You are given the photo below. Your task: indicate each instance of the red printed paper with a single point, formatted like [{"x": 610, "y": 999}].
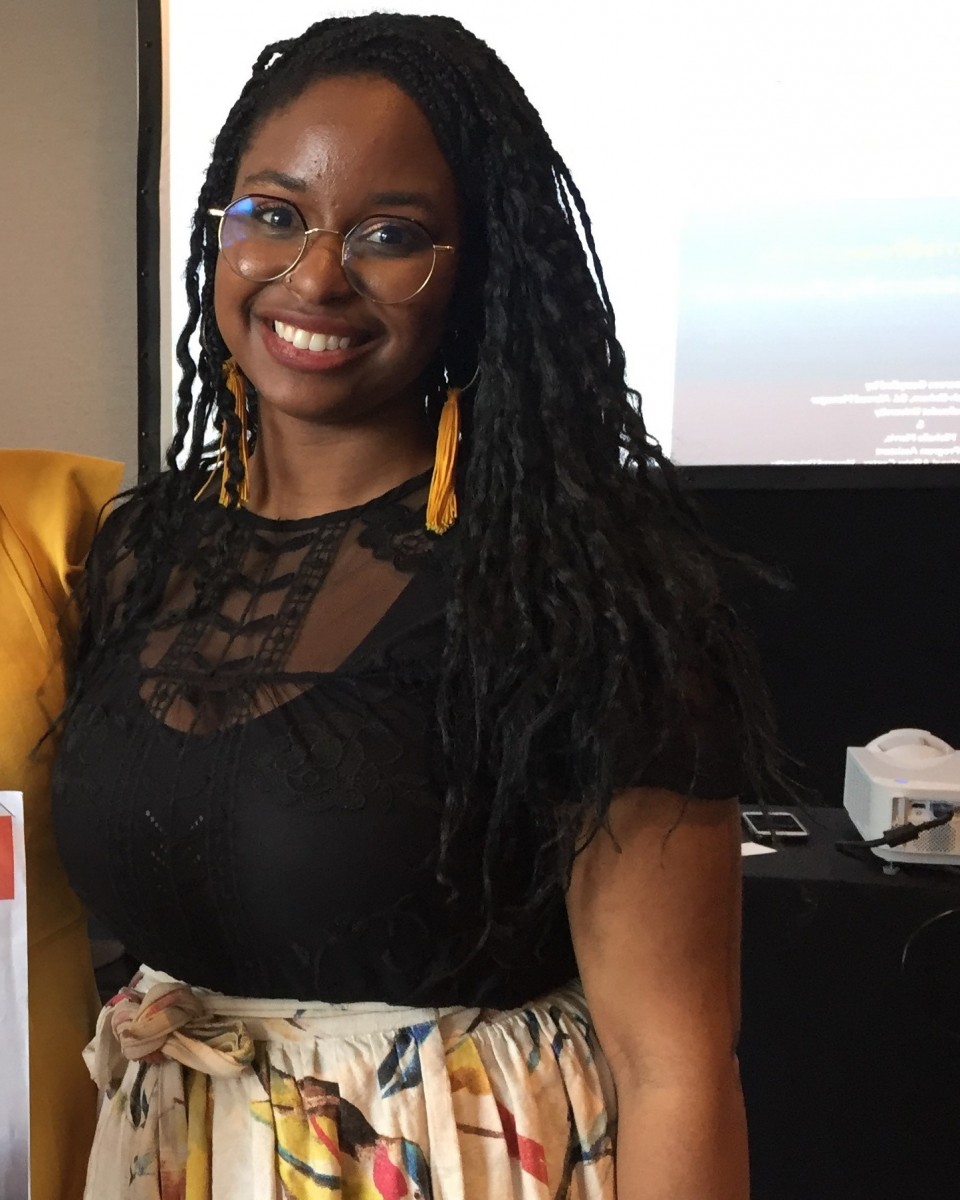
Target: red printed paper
[
  {"x": 14, "y": 1004},
  {"x": 6, "y": 858}
]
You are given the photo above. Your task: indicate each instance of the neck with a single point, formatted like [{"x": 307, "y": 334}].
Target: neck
[{"x": 303, "y": 469}]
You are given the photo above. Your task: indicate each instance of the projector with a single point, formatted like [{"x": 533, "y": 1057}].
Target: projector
[{"x": 906, "y": 777}]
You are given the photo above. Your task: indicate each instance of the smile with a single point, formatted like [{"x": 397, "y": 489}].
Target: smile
[{"x": 303, "y": 339}]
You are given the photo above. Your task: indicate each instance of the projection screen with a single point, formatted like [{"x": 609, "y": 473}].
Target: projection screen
[{"x": 775, "y": 194}]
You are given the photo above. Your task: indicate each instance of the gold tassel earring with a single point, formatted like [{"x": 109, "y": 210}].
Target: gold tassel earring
[
  {"x": 442, "y": 499},
  {"x": 236, "y": 386}
]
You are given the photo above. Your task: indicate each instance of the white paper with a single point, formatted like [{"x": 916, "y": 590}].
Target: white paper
[
  {"x": 747, "y": 848},
  {"x": 14, "y": 1021}
]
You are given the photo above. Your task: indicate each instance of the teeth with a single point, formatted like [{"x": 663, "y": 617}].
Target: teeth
[{"x": 303, "y": 339}]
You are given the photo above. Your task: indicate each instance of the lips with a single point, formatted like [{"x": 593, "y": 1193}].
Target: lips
[
  {"x": 314, "y": 323},
  {"x": 312, "y": 343},
  {"x": 303, "y": 339}
]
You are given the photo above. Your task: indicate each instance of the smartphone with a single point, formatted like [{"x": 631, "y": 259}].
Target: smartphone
[{"x": 786, "y": 826}]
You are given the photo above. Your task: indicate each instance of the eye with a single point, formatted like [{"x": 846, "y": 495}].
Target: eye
[
  {"x": 389, "y": 235},
  {"x": 267, "y": 216},
  {"x": 389, "y": 238},
  {"x": 275, "y": 216}
]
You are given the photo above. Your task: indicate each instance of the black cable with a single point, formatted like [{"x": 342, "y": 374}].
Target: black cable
[
  {"x": 898, "y": 835},
  {"x": 935, "y": 1006}
]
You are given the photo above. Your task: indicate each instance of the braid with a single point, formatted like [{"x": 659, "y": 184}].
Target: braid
[{"x": 584, "y": 587}]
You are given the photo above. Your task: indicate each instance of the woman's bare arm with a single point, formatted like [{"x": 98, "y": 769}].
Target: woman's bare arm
[{"x": 656, "y": 928}]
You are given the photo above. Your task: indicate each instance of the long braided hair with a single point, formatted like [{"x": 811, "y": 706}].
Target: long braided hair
[{"x": 586, "y": 606}]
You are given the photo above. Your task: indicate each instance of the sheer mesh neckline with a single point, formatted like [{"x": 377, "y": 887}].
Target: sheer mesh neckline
[
  {"x": 284, "y": 524},
  {"x": 293, "y": 601}
]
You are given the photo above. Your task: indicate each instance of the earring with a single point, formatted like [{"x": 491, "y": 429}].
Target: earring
[
  {"x": 442, "y": 497},
  {"x": 236, "y": 386}
]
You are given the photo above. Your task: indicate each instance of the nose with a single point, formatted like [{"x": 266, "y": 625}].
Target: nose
[{"x": 318, "y": 277}]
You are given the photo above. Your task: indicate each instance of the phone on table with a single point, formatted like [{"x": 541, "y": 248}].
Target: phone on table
[{"x": 762, "y": 825}]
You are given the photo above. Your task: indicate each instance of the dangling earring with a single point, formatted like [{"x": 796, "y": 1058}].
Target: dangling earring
[
  {"x": 236, "y": 386},
  {"x": 442, "y": 498}
]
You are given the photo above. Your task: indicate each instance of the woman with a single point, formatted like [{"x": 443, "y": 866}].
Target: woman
[
  {"x": 325, "y": 770},
  {"x": 49, "y": 506}
]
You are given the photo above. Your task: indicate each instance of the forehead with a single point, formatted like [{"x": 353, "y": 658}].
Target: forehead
[{"x": 353, "y": 132}]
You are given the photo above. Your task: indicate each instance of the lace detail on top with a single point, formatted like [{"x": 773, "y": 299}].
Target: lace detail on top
[{"x": 299, "y": 600}]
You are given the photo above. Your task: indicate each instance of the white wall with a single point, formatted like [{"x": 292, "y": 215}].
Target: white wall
[{"x": 68, "y": 158}]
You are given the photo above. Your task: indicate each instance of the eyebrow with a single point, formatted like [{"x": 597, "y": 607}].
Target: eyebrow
[
  {"x": 404, "y": 200},
  {"x": 396, "y": 199},
  {"x": 290, "y": 182}
]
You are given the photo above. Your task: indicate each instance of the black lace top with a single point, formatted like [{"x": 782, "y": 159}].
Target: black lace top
[{"x": 252, "y": 803}]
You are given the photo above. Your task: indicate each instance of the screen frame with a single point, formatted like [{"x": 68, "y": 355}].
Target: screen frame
[
  {"x": 151, "y": 120},
  {"x": 153, "y": 429},
  {"x": 821, "y": 477}
]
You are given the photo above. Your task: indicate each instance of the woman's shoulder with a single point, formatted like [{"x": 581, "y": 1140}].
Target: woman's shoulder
[{"x": 51, "y": 503}]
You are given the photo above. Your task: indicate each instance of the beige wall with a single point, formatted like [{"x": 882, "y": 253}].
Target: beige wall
[{"x": 68, "y": 159}]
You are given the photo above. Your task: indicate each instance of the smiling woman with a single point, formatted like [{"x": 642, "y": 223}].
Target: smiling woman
[
  {"x": 341, "y": 152},
  {"x": 429, "y": 841}
]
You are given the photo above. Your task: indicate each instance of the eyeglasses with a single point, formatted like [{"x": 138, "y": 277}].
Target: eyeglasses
[{"x": 386, "y": 259}]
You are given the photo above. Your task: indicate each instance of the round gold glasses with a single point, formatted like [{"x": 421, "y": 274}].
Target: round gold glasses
[{"x": 386, "y": 259}]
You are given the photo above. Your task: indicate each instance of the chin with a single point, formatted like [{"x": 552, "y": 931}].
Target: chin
[{"x": 327, "y": 402}]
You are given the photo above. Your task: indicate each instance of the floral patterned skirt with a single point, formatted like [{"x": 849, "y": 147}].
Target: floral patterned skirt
[{"x": 210, "y": 1097}]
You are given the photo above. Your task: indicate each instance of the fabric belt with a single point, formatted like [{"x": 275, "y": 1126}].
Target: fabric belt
[{"x": 159, "y": 1019}]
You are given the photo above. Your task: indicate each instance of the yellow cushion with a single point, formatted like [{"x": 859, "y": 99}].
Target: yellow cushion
[{"x": 49, "y": 506}]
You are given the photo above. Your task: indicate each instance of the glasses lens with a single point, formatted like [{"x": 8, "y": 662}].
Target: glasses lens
[
  {"x": 388, "y": 259},
  {"x": 261, "y": 237}
]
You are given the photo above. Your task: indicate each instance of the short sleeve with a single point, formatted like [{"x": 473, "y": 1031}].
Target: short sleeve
[{"x": 700, "y": 751}]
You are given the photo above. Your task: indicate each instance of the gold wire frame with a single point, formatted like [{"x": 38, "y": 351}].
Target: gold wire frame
[{"x": 221, "y": 213}]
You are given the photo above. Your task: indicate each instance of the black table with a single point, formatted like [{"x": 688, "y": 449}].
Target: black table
[{"x": 851, "y": 1074}]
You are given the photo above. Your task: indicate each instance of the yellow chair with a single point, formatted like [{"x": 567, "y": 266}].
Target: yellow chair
[{"x": 49, "y": 506}]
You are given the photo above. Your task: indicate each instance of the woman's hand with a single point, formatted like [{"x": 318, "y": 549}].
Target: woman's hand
[{"x": 656, "y": 928}]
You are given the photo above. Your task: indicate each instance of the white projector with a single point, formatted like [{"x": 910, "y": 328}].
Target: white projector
[{"x": 906, "y": 777}]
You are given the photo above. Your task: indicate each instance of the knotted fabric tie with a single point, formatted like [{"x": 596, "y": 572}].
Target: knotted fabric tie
[{"x": 169, "y": 1022}]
